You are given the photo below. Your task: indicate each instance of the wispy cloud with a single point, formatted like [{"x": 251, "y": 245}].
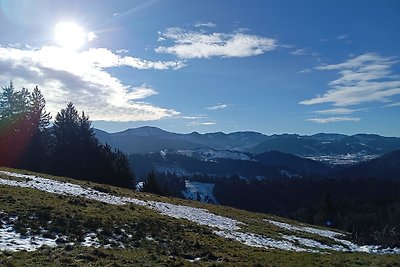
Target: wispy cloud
[
  {"x": 82, "y": 77},
  {"x": 342, "y": 37},
  {"x": 199, "y": 123},
  {"x": 339, "y": 111},
  {"x": 196, "y": 117},
  {"x": 298, "y": 52},
  {"x": 91, "y": 36},
  {"x": 205, "y": 24},
  {"x": 105, "y": 58},
  {"x": 333, "y": 119},
  {"x": 366, "y": 78},
  {"x": 218, "y": 106},
  {"x": 305, "y": 71},
  {"x": 397, "y": 104},
  {"x": 192, "y": 44}
]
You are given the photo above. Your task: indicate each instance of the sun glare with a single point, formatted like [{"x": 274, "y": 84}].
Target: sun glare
[{"x": 69, "y": 35}]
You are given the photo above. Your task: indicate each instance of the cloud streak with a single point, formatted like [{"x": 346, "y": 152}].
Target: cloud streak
[
  {"x": 198, "y": 123},
  {"x": 198, "y": 44},
  {"x": 397, "y": 104},
  {"x": 218, "y": 107},
  {"x": 298, "y": 52},
  {"x": 338, "y": 111},
  {"x": 205, "y": 24},
  {"x": 366, "y": 78},
  {"x": 333, "y": 119},
  {"x": 81, "y": 77}
]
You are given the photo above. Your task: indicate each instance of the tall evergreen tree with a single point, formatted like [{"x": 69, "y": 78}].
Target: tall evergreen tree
[
  {"x": 151, "y": 185},
  {"x": 37, "y": 155},
  {"x": 66, "y": 142},
  {"x": 38, "y": 110},
  {"x": 7, "y": 102},
  {"x": 15, "y": 130},
  {"x": 78, "y": 153}
]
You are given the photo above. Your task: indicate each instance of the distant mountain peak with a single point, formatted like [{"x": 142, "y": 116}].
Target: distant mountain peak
[{"x": 146, "y": 131}]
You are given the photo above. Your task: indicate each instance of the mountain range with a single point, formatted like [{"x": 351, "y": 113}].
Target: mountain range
[{"x": 334, "y": 148}]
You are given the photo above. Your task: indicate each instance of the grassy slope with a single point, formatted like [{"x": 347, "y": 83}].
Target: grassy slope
[{"x": 156, "y": 239}]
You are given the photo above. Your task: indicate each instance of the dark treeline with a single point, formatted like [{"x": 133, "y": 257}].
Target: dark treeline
[
  {"x": 68, "y": 147},
  {"x": 366, "y": 208}
]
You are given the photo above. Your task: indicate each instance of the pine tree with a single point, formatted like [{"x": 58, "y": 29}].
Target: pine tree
[
  {"x": 37, "y": 155},
  {"x": 15, "y": 129},
  {"x": 7, "y": 102},
  {"x": 151, "y": 185},
  {"x": 65, "y": 160},
  {"x": 38, "y": 111},
  {"x": 78, "y": 153}
]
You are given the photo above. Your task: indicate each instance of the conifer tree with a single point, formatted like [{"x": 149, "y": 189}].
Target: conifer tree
[
  {"x": 15, "y": 130},
  {"x": 151, "y": 185},
  {"x": 38, "y": 111},
  {"x": 37, "y": 155}
]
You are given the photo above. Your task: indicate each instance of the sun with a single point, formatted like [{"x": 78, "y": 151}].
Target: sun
[{"x": 69, "y": 35}]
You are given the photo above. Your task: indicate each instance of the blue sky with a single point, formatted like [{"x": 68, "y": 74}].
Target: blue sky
[{"x": 269, "y": 66}]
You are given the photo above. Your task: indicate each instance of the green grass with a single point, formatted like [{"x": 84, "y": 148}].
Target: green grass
[{"x": 154, "y": 239}]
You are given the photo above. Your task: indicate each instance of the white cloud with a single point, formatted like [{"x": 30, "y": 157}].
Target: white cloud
[
  {"x": 81, "y": 77},
  {"x": 397, "y": 104},
  {"x": 192, "y": 44},
  {"x": 197, "y": 117},
  {"x": 333, "y": 119},
  {"x": 298, "y": 52},
  {"x": 339, "y": 111},
  {"x": 122, "y": 51},
  {"x": 91, "y": 36},
  {"x": 218, "y": 107},
  {"x": 305, "y": 71},
  {"x": 342, "y": 37},
  {"x": 205, "y": 24},
  {"x": 198, "y": 123},
  {"x": 366, "y": 78},
  {"x": 105, "y": 58}
]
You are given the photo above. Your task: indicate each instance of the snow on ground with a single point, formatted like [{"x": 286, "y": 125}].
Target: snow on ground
[
  {"x": 344, "y": 159},
  {"x": 171, "y": 168},
  {"x": 204, "y": 191},
  {"x": 10, "y": 240},
  {"x": 254, "y": 240},
  {"x": 289, "y": 174},
  {"x": 348, "y": 246},
  {"x": 211, "y": 154},
  {"x": 91, "y": 240},
  {"x": 223, "y": 226}
]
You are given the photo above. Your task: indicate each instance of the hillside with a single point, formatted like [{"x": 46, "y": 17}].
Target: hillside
[
  {"x": 300, "y": 165},
  {"x": 55, "y": 221},
  {"x": 385, "y": 167}
]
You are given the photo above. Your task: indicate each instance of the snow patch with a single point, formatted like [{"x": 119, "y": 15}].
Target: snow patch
[
  {"x": 343, "y": 159},
  {"x": 212, "y": 155},
  {"x": 171, "y": 168},
  {"x": 254, "y": 240},
  {"x": 289, "y": 174},
  {"x": 348, "y": 245},
  {"x": 200, "y": 191},
  {"x": 12, "y": 241}
]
